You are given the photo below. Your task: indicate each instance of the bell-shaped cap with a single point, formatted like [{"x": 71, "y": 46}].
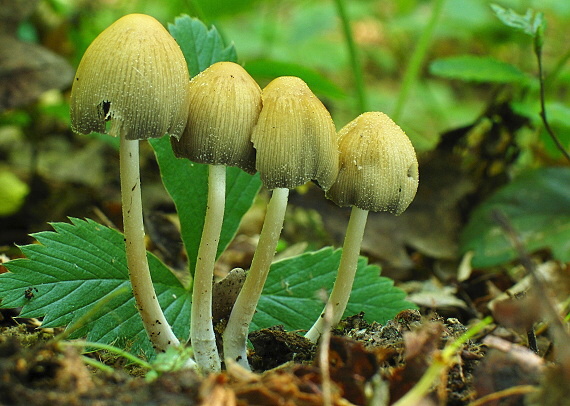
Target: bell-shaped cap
[
  {"x": 378, "y": 166},
  {"x": 135, "y": 75},
  {"x": 295, "y": 137},
  {"x": 225, "y": 103}
]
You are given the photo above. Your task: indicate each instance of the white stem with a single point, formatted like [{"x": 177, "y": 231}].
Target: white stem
[
  {"x": 202, "y": 333},
  {"x": 235, "y": 334},
  {"x": 340, "y": 293},
  {"x": 155, "y": 324}
]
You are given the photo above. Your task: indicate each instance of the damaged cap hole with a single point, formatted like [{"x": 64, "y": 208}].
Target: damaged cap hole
[{"x": 106, "y": 107}]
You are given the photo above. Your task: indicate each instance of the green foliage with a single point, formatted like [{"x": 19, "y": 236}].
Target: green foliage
[
  {"x": 270, "y": 69},
  {"x": 77, "y": 267},
  {"x": 471, "y": 68},
  {"x": 537, "y": 203},
  {"x": 13, "y": 192},
  {"x": 290, "y": 296},
  {"x": 212, "y": 9},
  {"x": 201, "y": 47},
  {"x": 187, "y": 184}
]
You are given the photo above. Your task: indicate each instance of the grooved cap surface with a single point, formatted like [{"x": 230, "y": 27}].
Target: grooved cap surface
[
  {"x": 133, "y": 74},
  {"x": 295, "y": 137},
  {"x": 225, "y": 103},
  {"x": 378, "y": 166}
]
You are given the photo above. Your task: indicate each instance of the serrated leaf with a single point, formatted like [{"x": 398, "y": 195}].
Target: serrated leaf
[
  {"x": 290, "y": 295},
  {"x": 83, "y": 264},
  {"x": 471, "y": 68},
  {"x": 187, "y": 184},
  {"x": 201, "y": 47},
  {"x": 537, "y": 204}
]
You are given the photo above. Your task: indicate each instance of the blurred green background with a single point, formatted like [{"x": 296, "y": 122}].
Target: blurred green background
[{"x": 480, "y": 118}]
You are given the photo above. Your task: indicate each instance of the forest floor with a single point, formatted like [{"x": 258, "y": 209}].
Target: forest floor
[{"x": 361, "y": 363}]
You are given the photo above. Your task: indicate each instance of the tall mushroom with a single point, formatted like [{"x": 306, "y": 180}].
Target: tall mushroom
[
  {"x": 135, "y": 76},
  {"x": 225, "y": 103},
  {"x": 295, "y": 141},
  {"x": 378, "y": 172}
]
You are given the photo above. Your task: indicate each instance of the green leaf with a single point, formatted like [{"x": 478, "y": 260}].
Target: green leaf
[
  {"x": 290, "y": 296},
  {"x": 270, "y": 69},
  {"x": 471, "y": 68},
  {"x": 537, "y": 203},
  {"x": 531, "y": 23},
  {"x": 187, "y": 184},
  {"x": 201, "y": 47},
  {"x": 81, "y": 268}
]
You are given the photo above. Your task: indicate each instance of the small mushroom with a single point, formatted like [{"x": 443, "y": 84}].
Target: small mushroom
[
  {"x": 295, "y": 141},
  {"x": 378, "y": 172},
  {"x": 295, "y": 137},
  {"x": 135, "y": 76},
  {"x": 225, "y": 103}
]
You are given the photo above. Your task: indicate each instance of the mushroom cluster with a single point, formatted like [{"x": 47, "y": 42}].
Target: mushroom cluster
[{"x": 134, "y": 75}]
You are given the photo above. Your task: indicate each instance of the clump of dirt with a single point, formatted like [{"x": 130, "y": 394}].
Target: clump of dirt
[
  {"x": 50, "y": 373},
  {"x": 274, "y": 346}
]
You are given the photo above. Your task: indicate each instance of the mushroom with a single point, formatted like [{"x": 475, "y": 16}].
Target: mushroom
[
  {"x": 135, "y": 76},
  {"x": 225, "y": 103},
  {"x": 295, "y": 141},
  {"x": 378, "y": 172}
]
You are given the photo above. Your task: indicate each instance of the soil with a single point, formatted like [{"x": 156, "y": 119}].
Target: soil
[{"x": 366, "y": 363}]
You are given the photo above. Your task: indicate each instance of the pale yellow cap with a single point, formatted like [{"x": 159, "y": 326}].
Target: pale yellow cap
[
  {"x": 295, "y": 137},
  {"x": 225, "y": 103},
  {"x": 135, "y": 75},
  {"x": 378, "y": 166}
]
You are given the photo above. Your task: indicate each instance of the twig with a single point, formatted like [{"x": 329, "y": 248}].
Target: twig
[
  {"x": 547, "y": 307},
  {"x": 549, "y": 130},
  {"x": 512, "y": 391}
]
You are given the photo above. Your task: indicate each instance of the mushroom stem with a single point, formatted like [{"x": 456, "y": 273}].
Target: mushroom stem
[
  {"x": 155, "y": 324},
  {"x": 202, "y": 333},
  {"x": 340, "y": 293},
  {"x": 235, "y": 334}
]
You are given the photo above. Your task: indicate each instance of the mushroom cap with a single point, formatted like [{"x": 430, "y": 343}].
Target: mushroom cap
[
  {"x": 225, "y": 103},
  {"x": 378, "y": 166},
  {"x": 295, "y": 137},
  {"x": 135, "y": 75}
]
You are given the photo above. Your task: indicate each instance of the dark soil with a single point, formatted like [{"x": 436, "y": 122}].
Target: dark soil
[{"x": 366, "y": 363}]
